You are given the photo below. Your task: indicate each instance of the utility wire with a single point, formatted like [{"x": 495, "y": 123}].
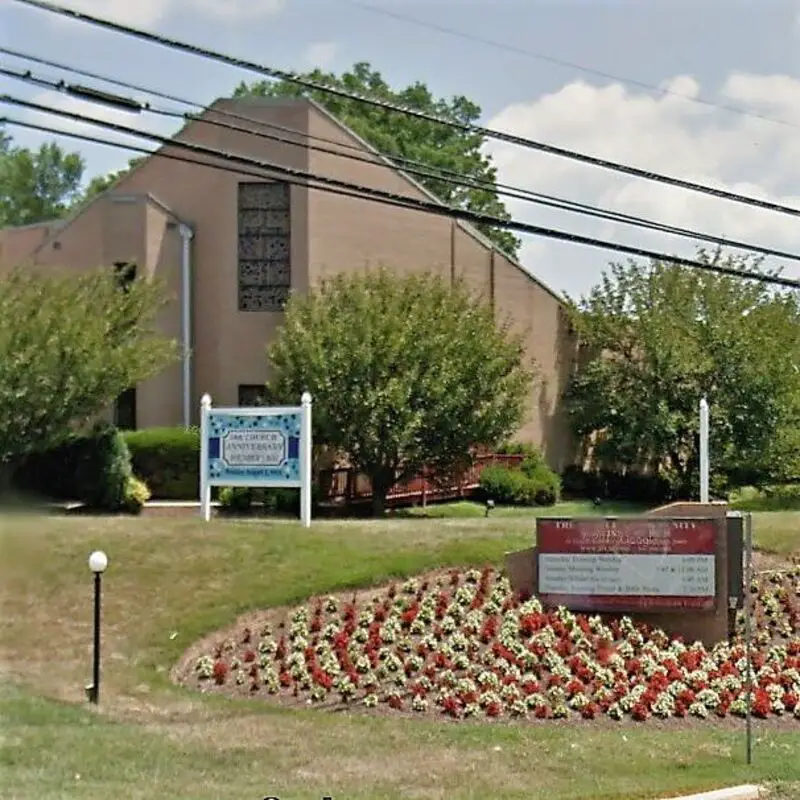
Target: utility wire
[
  {"x": 335, "y": 185},
  {"x": 560, "y": 62},
  {"x": 85, "y": 137},
  {"x": 358, "y": 154},
  {"x": 289, "y": 77}
]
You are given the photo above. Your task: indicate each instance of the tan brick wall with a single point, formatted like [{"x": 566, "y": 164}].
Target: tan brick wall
[{"x": 330, "y": 234}]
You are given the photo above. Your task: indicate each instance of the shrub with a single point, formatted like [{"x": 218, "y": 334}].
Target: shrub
[
  {"x": 770, "y": 498},
  {"x": 93, "y": 468},
  {"x": 168, "y": 460},
  {"x": 236, "y": 498},
  {"x": 519, "y": 449},
  {"x": 241, "y": 499},
  {"x": 536, "y": 486},
  {"x": 545, "y": 484},
  {"x": 632, "y": 487},
  {"x": 137, "y": 494}
]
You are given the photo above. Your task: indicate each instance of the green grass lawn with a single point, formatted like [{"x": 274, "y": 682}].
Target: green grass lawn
[{"x": 171, "y": 581}]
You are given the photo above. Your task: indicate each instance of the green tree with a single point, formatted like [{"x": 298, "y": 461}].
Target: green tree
[
  {"x": 69, "y": 346},
  {"x": 405, "y": 372},
  {"x": 656, "y": 338},
  {"x": 36, "y": 186},
  {"x": 397, "y": 135}
]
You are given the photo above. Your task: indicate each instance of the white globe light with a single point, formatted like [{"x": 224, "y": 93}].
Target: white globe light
[{"x": 98, "y": 561}]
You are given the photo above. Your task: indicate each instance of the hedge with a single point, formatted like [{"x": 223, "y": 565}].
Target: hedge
[
  {"x": 93, "y": 468},
  {"x": 167, "y": 460},
  {"x": 616, "y": 485}
]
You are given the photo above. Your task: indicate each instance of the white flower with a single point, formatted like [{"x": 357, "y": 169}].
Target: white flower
[
  {"x": 205, "y": 667},
  {"x": 664, "y": 706},
  {"x": 518, "y": 708},
  {"x": 708, "y": 697},
  {"x": 419, "y": 703}
]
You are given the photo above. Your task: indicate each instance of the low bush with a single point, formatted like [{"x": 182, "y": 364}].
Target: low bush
[
  {"x": 93, "y": 468},
  {"x": 784, "y": 497},
  {"x": 168, "y": 460},
  {"x": 534, "y": 484},
  {"x": 241, "y": 499},
  {"x": 137, "y": 494},
  {"x": 630, "y": 487}
]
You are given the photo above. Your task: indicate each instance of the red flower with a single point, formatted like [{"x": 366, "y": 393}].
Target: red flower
[
  {"x": 220, "y": 672},
  {"x": 761, "y": 703},
  {"x": 395, "y": 702},
  {"x": 280, "y": 652},
  {"x": 249, "y": 655},
  {"x": 321, "y": 678},
  {"x": 494, "y": 709},
  {"x": 451, "y": 706},
  {"x": 541, "y": 712},
  {"x": 441, "y": 661},
  {"x": 686, "y": 697},
  {"x": 530, "y": 623},
  {"x": 589, "y": 711},
  {"x": 640, "y": 712},
  {"x": 285, "y": 678},
  {"x": 409, "y": 615},
  {"x": 477, "y": 601},
  {"x": 574, "y": 687},
  {"x": 489, "y": 629}
]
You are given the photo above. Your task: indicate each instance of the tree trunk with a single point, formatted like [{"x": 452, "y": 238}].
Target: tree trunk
[
  {"x": 378, "y": 503},
  {"x": 381, "y": 479},
  {"x": 6, "y": 473}
]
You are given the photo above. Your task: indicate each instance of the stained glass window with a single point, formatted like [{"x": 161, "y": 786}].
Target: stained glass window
[{"x": 265, "y": 272}]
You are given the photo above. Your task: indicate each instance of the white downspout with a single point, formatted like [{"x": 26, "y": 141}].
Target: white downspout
[{"x": 187, "y": 234}]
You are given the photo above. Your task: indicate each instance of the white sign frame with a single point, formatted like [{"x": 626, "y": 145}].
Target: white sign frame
[{"x": 304, "y": 454}]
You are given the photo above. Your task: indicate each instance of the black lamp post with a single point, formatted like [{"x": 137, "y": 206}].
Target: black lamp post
[{"x": 98, "y": 561}]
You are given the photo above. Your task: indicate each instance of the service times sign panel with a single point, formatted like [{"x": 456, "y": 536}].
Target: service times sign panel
[{"x": 636, "y": 564}]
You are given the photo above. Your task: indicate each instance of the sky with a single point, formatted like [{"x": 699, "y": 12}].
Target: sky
[{"x": 707, "y": 91}]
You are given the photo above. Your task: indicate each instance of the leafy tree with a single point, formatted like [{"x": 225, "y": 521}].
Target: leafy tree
[
  {"x": 657, "y": 338},
  {"x": 398, "y": 135},
  {"x": 36, "y": 186},
  {"x": 405, "y": 372},
  {"x": 101, "y": 183},
  {"x": 69, "y": 346}
]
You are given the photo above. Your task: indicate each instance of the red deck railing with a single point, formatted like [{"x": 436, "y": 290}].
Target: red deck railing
[{"x": 347, "y": 487}]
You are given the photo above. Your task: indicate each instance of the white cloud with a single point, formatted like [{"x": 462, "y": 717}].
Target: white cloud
[
  {"x": 321, "y": 54},
  {"x": 146, "y": 13},
  {"x": 670, "y": 135}
]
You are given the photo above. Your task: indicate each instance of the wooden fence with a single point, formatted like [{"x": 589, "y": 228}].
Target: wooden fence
[{"x": 347, "y": 487}]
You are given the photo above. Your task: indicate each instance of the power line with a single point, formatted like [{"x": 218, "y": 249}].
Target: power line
[
  {"x": 359, "y": 155},
  {"x": 84, "y": 137},
  {"x": 289, "y": 77},
  {"x": 560, "y": 62},
  {"x": 335, "y": 185}
]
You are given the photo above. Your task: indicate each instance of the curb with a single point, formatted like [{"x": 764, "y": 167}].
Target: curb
[{"x": 744, "y": 792}]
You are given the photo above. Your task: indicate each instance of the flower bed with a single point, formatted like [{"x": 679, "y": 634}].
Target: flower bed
[{"x": 461, "y": 644}]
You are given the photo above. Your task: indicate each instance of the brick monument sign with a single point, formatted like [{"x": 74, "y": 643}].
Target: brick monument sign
[{"x": 669, "y": 568}]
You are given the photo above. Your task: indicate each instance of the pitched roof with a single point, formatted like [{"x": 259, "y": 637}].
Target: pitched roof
[{"x": 465, "y": 226}]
